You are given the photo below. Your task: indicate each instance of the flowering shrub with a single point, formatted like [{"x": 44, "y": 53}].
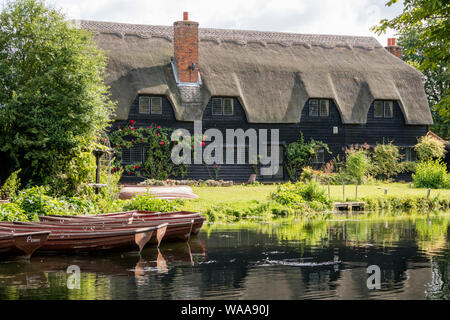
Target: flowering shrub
[
  {"x": 386, "y": 161},
  {"x": 158, "y": 164},
  {"x": 429, "y": 148}
]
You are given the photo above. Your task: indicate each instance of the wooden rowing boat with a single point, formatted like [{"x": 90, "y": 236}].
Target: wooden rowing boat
[
  {"x": 133, "y": 216},
  {"x": 79, "y": 241},
  {"x": 22, "y": 244}
]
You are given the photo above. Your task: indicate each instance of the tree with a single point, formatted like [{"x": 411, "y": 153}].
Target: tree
[
  {"x": 423, "y": 28},
  {"x": 53, "y": 100},
  {"x": 437, "y": 80}
]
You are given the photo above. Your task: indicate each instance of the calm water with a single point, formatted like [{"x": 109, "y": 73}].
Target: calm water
[{"x": 291, "y": 260}]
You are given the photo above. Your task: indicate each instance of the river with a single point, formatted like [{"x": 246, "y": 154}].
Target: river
[{"x": 326, "y": 259}]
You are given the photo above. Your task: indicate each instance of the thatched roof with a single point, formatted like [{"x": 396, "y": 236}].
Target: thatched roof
[{"x": 273, "y": 74}]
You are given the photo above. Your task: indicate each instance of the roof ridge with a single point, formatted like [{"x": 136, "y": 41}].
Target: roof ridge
[{"x": 233, "y": 34}]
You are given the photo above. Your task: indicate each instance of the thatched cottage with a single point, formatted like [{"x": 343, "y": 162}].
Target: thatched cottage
[{"x": 342, "y": 90}]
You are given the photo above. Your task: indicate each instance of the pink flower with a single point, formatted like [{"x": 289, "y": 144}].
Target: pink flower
[
  {"x": 203, "y": 143},
  {"x": 136, "y": 167}
]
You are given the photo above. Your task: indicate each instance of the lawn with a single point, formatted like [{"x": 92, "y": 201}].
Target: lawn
[{"x": 242, "y": 196}]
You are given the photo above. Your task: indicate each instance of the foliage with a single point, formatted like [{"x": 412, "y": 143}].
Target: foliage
[
  {"x": 53, "y": 98},
  {"x": 36, "y": 201},
  {"x": 437, "y": 79},
  {"x": 158, "y": 164},
  {"x": 147, "y": 202},
  {"x": 357, "y": 163},
  {"x": 431, "y": 174},
  {"x": 429, "y": 22},
  {"x": 12, "y": 212},
  {"x": 386, "y": 161},
  {"x": 429, "y": 148},
  {"x": 293, "y": 194},
  {"x": 300, "y": 155},
  {"x": 11, "y": 186},
  {"x": 406, "y": 203}
]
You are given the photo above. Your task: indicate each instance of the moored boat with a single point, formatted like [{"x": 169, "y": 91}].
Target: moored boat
[
  {"x": 77, "y": 240},
  {"x": 22, "y": 244}
]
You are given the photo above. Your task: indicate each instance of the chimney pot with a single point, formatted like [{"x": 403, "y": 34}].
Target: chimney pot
[{"x": 185, "y": 16}]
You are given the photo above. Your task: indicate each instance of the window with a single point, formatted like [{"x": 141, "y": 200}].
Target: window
[
  {"x": 150, "y": 105},
  {"x": 378, "y": 109},
  {"x": 156, "y": 105},
  {"x": 144, "y": 105},
  {"x": 410, "y": 154},
  {"x": 135, "y": 154},
  {"x": 222, "y": 106},
  {"x": 388, "y": 109},
  {"x": 228, "y": 107},
  {"x": 320, "y": 156},
  {"x": 217, "y": 107},
  {"x": 313, "y": 108},
  {"x": 324, "y": 108}
]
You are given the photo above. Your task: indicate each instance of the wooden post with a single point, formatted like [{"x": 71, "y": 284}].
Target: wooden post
[
  {"x": 428, "y": 193},
  {"x": 356, "y": 195},
  {"x": 385, "y": 191},
  {"x": 410, "y": 185}
]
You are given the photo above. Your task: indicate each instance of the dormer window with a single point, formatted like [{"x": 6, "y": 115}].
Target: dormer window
[
  {"x": 150, "y": 105},
  {"x": 222, "y": 106},
  {"x": 319, "y": 108},
  {"x": 383, "y": 109}
]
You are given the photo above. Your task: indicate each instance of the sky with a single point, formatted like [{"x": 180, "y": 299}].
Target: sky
[{"x": 343, "y": 17}]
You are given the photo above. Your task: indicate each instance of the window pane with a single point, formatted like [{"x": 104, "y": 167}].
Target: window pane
[
  {"x": 378, "y": 109},
  {"x": 217, "y": 106},
  {"x": 320, "y": 156},
  {"x": 136, "y": 154},
  {"x": 388, "y": 109},
  {"x": 156, "y": 105},
  {"x": 313, "y": 108},
  {"x": 324, "y": 108},
  {"x": 228, "y": 107},
  {"x": 126, "y": 156},
  {"x": 144, "y": 105}
]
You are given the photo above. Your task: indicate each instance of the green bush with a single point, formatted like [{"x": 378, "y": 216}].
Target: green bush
[
  {"x": 36, "y": 202},
  {"x": 12, "y": 212},
  {"x": 147, "y": 202},
  {"x": 386, "y": 161},
  {"x": 357, "y": 164},
  {"x": 429, "y": 148},
  {"x": 11, "y": 186},
  {"x": 296, "y": 194},
  {"x": 300, "y": 155},
  {"x": 431, "y": 174}
]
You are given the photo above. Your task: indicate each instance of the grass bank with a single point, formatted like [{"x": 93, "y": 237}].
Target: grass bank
[{"x": 238, "y": 202}]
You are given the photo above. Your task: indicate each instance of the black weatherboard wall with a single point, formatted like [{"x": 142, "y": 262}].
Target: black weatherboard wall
[{"x": 328, "y": 129}]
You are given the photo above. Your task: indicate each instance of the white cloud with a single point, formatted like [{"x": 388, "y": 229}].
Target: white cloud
[{"x": 347, "y": 17}]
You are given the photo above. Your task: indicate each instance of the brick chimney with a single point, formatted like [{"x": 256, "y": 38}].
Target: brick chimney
[
  {"x": 185, "y": 44},
  {"x": 393, "y": 48}
]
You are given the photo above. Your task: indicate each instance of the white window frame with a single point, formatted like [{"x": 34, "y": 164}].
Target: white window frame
[
  {"x": 160, "y": 102},
  {"x": 317, "y": 105},
  {"x": 221, "y": 107},
  {"x": 231, "y": 100},
  {"x": 141, "y": 103},
  {"x": 390, "y": 105},
  {"x": 327, "y": 105},
  {"x": 380, "y": 104}
]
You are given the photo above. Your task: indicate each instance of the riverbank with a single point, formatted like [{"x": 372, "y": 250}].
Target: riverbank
[{"x": 231, "y": 204}]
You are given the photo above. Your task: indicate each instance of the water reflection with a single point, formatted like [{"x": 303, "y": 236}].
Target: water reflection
[{"x": 279, "y": 260}]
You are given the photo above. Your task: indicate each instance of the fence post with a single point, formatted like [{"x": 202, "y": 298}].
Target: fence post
[
  {"x": 385, "y": 191},
  {"x": 428, "y": 193}
]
